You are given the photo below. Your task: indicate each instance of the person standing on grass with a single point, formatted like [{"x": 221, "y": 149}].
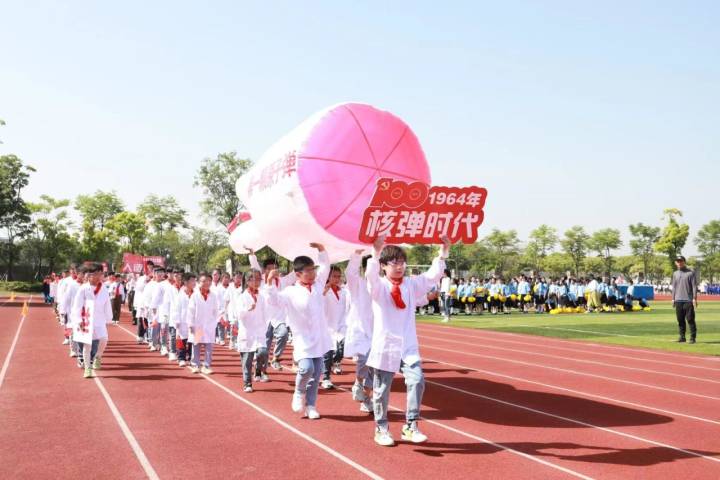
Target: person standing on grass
[{"x": 684, "y": 298}]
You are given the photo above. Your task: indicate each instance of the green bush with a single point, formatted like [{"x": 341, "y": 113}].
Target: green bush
[{"x": 22, "y": 287}]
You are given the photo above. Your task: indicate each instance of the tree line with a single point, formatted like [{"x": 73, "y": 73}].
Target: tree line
[{"x": 42, "y": 236}]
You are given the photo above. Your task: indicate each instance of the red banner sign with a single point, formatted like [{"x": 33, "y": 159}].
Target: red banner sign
[
  {"x": 133, "y": 263},
  {"x": 418, "y": 213}
]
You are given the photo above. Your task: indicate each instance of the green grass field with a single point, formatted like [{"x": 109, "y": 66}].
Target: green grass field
[{"x": 654, "y": 329}]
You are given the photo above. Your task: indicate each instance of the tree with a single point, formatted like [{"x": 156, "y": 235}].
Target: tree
[
  {"x": 502, "y": 248},
  {"x": 51, "y": 239},
  {"x": 422, "y": 254},
  {"x": 2, "y": 124},
  {"x": 708, "y": 243},
  {"x": 14, "y": 213},
  {"x": 642, "y": 244},
  {"x": 162, "y": 213},
  {"x": 128, "y": 228},
  {"x": 97, "y": 210},
  {"x": 545, "y": 238},
  {"x": 574, "y": 243},
  {"x": 197, "y": 248},
  {"x": 604, "y": 242},
  {"x": 217, "y": 177},
  {"x": 557, "y": 264},
  {"x": 674, "y": 235}
]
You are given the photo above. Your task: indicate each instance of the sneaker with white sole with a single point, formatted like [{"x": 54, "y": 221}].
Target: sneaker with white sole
[
  {"x": 366, "y": 406},
  {"x": 264, "y": 378},
  {"x": 312, "y": 413},
  {"x": 383, "y": 438},
  {"x": 139, "y": 340},
  {"x": 195, "y": 369},
  {"x": 276, "y": 365},
  {"x": 172, "y": 357},
  {"x": 298, "y": 402},
  {"x": 256, "y": 378},
  {"x": 163, "y": 351},
  {"x": 182, "y": 363},
  {"x": 88, "y": 373},
  {"x": 66, "y": 341},
  {"x": 327, "y": 385},
  {"x": 412, "y": 433},
  {"x": 206, "y": 370},
  {"x": 73, "y": 354},
  {"x": 337, "y": 369},
  {"x": 97, "y": 364},
  {"x": 248, "y": 389},
  {"x": 152, "y": 348},
  {"x": 358, "y": 393}
]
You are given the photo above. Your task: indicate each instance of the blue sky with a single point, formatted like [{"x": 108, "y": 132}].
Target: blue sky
[{"x": 592, "y": 113}]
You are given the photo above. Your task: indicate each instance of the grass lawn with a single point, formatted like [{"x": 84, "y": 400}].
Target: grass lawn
[{"x": 654, "y": 329}]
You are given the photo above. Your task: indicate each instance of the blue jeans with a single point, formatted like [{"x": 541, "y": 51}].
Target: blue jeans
[
  {"x": 362, "y": 371},
  {"x": 196, "y": 354},
  {"x": 414, "y": 384},
  {"x": 260, "y": 357},
  {"x": 307, "y": 380},
  {"x": 447, "y": 302},
  {"x": 280, "y": 333}
]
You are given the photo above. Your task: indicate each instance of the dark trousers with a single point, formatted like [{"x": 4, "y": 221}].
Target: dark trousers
[
  {"x": 685, "y": 312},
  {"x": 183, "y": 349},
  {"x": 142, "y": 327},
  {"x": 116, "y": 304}
]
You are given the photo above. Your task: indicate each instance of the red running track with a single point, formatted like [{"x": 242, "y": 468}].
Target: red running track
[{"x": 527, "y": 408}]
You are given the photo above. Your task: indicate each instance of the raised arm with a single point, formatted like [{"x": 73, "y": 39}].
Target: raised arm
[
  {"x": 324, "y": 266},
  {"x": 427, "y": 280},
  {"x": 372, "y": 272}
]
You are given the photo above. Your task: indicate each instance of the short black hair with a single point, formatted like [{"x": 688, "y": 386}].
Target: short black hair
[
  {"x": 302, "y": 262},
  {"x": 269, "y": 261},
  {"x": 159, "y": 269},
  {"x": 150, "y": 263},
  {"x": 392, "y": 253},
  {"x": 93, "y": 267},
  {"x": 188, "y": 276}
]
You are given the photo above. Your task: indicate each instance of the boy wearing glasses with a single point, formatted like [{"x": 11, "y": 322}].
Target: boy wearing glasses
[
  {"x": 394, "y": 340},
  {"x": 305, "y": 306}
]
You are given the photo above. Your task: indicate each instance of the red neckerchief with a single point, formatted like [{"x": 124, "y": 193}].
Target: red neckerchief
[
  {"x": 74, "y": 276},
  {"x": 336, "y": 291},
  {"x": 396, "y": 294},
  {"x": 178, "y": 286},
  {"x": 98, "y": 287},
  {"x": 188, "y": 292},
  {"x": 308, "y": 286},
  {"x": 117, "y": 290},
  {"x": 237, "y": 286},
  {"x": 204, "y": 294}
]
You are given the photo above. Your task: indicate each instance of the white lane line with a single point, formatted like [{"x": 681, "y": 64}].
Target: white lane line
[
  {"x": 489, "y": 442},
  {"x": 576, "y": 392},
  {"x": 576, "y": 422},
  {"x": 6, "y": 363},
  {"x": 142, "y": 458},
  {"x": 443, "y": 331},
  {"x": 572, "y": 359},
  {"x": 289, "y": 427},
  {"x": 574, "y": 372},
  {"x": 636, "y": 350}
]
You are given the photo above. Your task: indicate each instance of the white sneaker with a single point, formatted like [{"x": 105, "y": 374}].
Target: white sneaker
[
  {"x": 383, "y": 438},
  {"x": 366, "y": 406},
  {"x": 248, "y": 389},
  {"x": 66, "y": 341},
  {"x": 256, "y": 378},
  {"x": 337, "y": 369},
  {"x": 264, "y": 378},
  {"x": 163, "y": 351},
  {"x": 445, "y": 319},
  {"x": 358, "y": 393},
  {"x": 206, "y": 370},
  {"x": 327, "y": 385},
  {"x": 298, "y": 402},
  {"x": 152, "y": 348},
  {"x": 73, "y": 354},
  {"x": 139, "y": 340},
  {"x": 182, "y": 363},
  {"x": 412, "y": 433},
  {"x": 312, "y": 413},
  {"x": 172, "y": 357},
  {"x": 195, "y": 369}
]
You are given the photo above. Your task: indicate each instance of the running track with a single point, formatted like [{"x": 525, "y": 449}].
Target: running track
[{"x": 497, "y": 405}]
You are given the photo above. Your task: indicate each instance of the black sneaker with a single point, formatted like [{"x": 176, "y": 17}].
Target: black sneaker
[
  {"x": 692, "y": 340},
  {"x": 681, "y": 340}
]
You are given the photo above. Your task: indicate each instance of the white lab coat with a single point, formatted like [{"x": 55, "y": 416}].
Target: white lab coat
[
  {"x": 169, "y": 291},
  {"x": 63, "y": 308},
  {"x": 275, "y": 314},
  {"x": 202, "y": 317},
  {"x": 360, "y": 317},
  {"x": 394, "y": 337},
  {"x": 306, "y": 313},
  {"x": 336, "y": 307},
  {"x": 92, "y": 312},
  {"x": 139, "y": 300},
  {"x": 179, "y": 313},
  {"x": 251, "y": 324}
]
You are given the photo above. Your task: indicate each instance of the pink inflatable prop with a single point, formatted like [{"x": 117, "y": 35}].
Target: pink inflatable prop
[{"x": 315, "y": 183}]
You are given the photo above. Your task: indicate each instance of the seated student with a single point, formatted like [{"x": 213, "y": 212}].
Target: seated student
[
  {"x": 249, "y": 310},
  {"x": 305, "y": 307},
  {"x": 394, "y": 342}
]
